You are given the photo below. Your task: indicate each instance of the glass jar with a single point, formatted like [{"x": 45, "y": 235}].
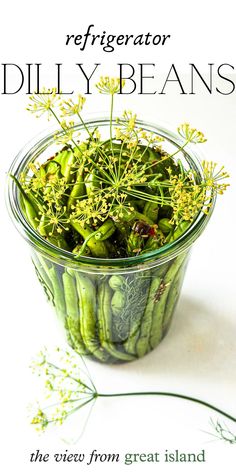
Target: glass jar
[{"x": 112, "y": 310}]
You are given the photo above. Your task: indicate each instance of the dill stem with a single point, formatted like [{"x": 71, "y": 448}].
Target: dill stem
[
  {"x": 178, "y": 150},
  {"x": 111, "y": 114},
  {"x": 101, "y": 153},
  {"x": 120, "y": 159},
  {"x": 85, "y": 126},
  {"x": 50, "y": 364},
  {"x": 64, "y": 129},
  {"x": 169, "y": 394},
  {"x": 84, "y": 245}
]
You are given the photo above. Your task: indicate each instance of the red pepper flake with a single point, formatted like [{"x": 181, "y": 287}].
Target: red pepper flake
[{"x": 152, "y": 232}]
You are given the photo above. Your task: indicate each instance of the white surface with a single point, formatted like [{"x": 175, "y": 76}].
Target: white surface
[{"x": 198, "y": 357}]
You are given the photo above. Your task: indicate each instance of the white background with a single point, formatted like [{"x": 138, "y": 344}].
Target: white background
[{"x": 198, "y": 357}]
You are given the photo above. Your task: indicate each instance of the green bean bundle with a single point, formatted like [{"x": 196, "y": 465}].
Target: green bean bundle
[
  {"x": 113, "y": 318},
  {"x": 117, "y": 193}
]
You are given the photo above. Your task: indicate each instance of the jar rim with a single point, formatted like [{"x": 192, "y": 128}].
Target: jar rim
[{"x": 61, "y": 256}]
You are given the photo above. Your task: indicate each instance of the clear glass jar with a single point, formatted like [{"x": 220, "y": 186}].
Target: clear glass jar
[{"x": 113, "y": 310}]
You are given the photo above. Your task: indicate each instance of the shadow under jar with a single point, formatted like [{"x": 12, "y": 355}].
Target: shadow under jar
[{"x": 112, "y": 310}]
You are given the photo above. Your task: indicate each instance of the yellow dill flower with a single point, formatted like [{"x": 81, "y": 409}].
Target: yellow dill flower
[
  {"x": 70, "y": 108},
  {"x": 43, "y": 102},
  {"x": 213, "y": 177},
  {"x": 67, "y": 134},
  {"x": 67, "y": 388},
  {"x": 40, "y": 420},
  {"x": 110, "y": 85},
  {"x": 192, "y": 135}
]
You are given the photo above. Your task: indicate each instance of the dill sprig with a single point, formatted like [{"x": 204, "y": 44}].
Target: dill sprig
[
  {"x": 69, "y": 387},
  {"x": 222, "y": 432}
]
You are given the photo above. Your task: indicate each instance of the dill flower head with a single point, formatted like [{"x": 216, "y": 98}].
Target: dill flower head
[
  {"x": 214, "y": 176},
  {"x": 187, "y": 198},
  {"x": 43, "y": 102},
  {"x": 192, "y": 135},
  {"x": 67, "y": 387},
  {"x": 70, "y": 108},
  {"x": 110, "y": 85}
]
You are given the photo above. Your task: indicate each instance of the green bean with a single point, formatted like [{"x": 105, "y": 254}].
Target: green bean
[
  {"x": 105, "y": 323},
  {"x": 29, "y": 196},
  {"x": 156, "y": 275},
  {"x": 44, "y": 227},
  {"x": 67, "y": 165},
  {"x": 77, "y": 191},
  {"x": 151, "y": 210},
  {"x": 77, "y": 250},
  {"x": 118, "y": 301},
  {"x": 116, "y": 146},
  {"x": 111, "y": 249},
  {"x": 87, "y": 306},
  {"x": 51, "y": 167},
  {"x": 45, "y": 283},
  {"x": 44, "y": 261},
  {"x": 131, "y": 216},
  {"x": 143, "y": 343},
  {"x": 116, "y": 282},
  {"x": 72, "y": 311},
  {"x": 150, "y": 278},
  {"x": 163, "y": 163},
  {"x": 170, "y": 303},
  {"x": 30, "y": 204},
  {"x": 58, "y": 241},
  {"x": 58, "y": 293},
  {"x": 159, "y": 305},
  {"x": 105, "y": 231},
  {"x": 140, "y": 204},
  {"x": 136, "y": 215},
  {"x": 123, "y": 230},
  {"x": 30, "y": 212},
  {"x": 60, "y": 156},
  {"x": 75, "y": 336},
  {"x": 164, "y": 225},
  {"x": 181, "y": 228},
  {"x": 58, "y": 160},
  {"x": 130, "y": 343},
  {"x": 97, "y": 248},
  {"x": 137, "y": 313},
  {"x": 91, "y": 183},
  {"x": 148, "y": 154},
  {"x": 71, "y": 297},
  {"x": 120, "y": 322},
  {"x": 173, "y": 296},
  {"x": 43, "y": 270}
]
